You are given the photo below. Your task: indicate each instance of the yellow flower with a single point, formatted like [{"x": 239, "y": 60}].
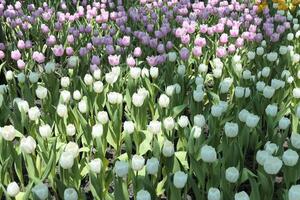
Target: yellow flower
[{"x": 282, "y": 6}]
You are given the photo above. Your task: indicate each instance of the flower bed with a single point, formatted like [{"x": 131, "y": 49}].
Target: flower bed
[{"x": 150, "y": 99}]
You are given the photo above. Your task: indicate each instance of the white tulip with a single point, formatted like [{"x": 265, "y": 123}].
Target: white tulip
[
  {"x": 27, "y": 145},
  {"x": 70, "y": 194},
  {"x": 66, "y": 160},
  {"x": 128, "y": 127},
  {"x": 164, "y": 101},
  {"x": 169, "y": 123},
  {"x": 65, "y": 82},
  {"x": 183, "y": 121},
  {"x": 34, "y": 113},
  {"x": 72, "y": 148},
  {"x": 231, "y": 129},
  {"x": 98, "y": 86},
  {"x": 208, "y": 154},
  {"x": 62, "y": 110},
  {"x": 45, "y": 130},
  {"x": 41, "y": 92},
  {"x": 137, "y": 162},
  {"x": 97, "y": 130},
  {"x": 232, "y": 174},
  {"x": 8, "y": 133},
  {"x": 102, "y": 117},
  {"x": 294, "y": 192},
  {"x": 295, "y": 140},
  {"x": 95, "y": 165},
  {"x": 152, "y": 166},
  {"x": 121, "y": 168},
  {"x": 272, "y": 165},
  {"x": 154, "y": 127},
  {"x": 168, "y": 148},
  {"x": 13, "y": 189},
  {"x": 290, "y": 157},
  {"x": 71, "y": 130},
  {"x": 88, "y": 79},
  {"x": 180, "y": 179}
]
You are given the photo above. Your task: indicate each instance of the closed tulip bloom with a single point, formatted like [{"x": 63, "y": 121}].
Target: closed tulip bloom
[
  {"x": 40, "y": 191},
  {"x": 231, "y": 129},
  {"x": 143, "y": 195},
  {"x": 137, "y": 162},
  {"x": 27, "y": 145},
  {"x": 168, "y": 148},
  {"x": 163, "y": 101},
  {"x": 252, "y": 120},
  {"x": 294, "y": 192},
  {"x": 34, "y": 113},
  {"x": 261, "y": 156},
  {"x": 71, "y": 130},
  {"x": 272, "y": 165},
  {"x": 271, "y": 110},
  {"x": 13, "y": 189},
  {"x": 213, "y": 194},
  {"x": 45, "y": 130},
  {"x": 284, "y": 123},
  {"x": 268, "y": 92},
  {"x": 152, "y": 166},
  {"x": 154, "y": 127},
  {"x": 271, "y": 147},
  {"x": 183, "y": 121},
  {"x": 208, "y": 154},
  {"x": 66, "y": 160},
  {"x": 180, "y": 179},
  {"x": 83, "y": 106},
  {"x": 290, "y": 157},
  {"x": 121, "y": 168},
  {"x": 62, "y": 110},
  {"x": 102, "y": 117},
  {"x": 72, "y": 148},
  {"x": 70, "y": 194},
  {"x": 95, "y": 165},
  {"x": 128, "y": 127},
  {"x": 97, "y": 130},
  {"x": 8, "y": 133},
  {"x": 232, "y": 174},
  {"x": 241, "y": 196},
  {"x": 295, "y": 140},
  {"x": 199, "y": 120},
  {"x": 169, "y": 123}
]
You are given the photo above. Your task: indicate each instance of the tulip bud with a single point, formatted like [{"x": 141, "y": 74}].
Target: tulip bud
[
  {"x": 232, "y": 174},
  {"x": 196, "y": 131},
  {"x": 34, "y": 113},
  {"x": 77, "y": 95},
  {"x": 138, "y": 99},
  {"x": 66, "y": 160},
  {"x": 272, "y": 165},
  {"x": 163, "y": 101},
  {"x": 135, "y": 72},
  {"x": 284, "y": 123},
  {"x": 199, "y": 120},
  {"x": 41, "y": 92},
  {"x": 49, "y": 67},
  {"x": 183, "y": 121},
  {"x": 97, "y": 74},
  {"x": 102, "y": 117},
  {"x": 65, "y": 82},
  {"x": 98, "y": 87},
  {"x": 180, "y": 179},
  {"x": 154, "y": 127},
  {"x": 9, "y": 75},
  {"x": 214, "y": 194},
  {"x": 152, "y": 166},
  {"x": 83, "y": 106},
  {"x": 45, "y": 130},
  {"x": 169, "y": 123},
  {"x": 72, "y": 148},
  {"x": 95, "y": 165},
  {"x": 295, "y": 140},
  {"x": 40, "y": 191},
  {"x": 168, "y": 148},
  {"x": 137, "y": 162},
  {"x": 97, "y": 130},
  {"x": 128, "y": 127},
  {"x": 241, "y": 196},
  {"x": 65, "y": 96},
  {"x": 8, "y": 133},
  {"x": 27, "y": 145},
  {"x": 70, "y": 194},
  {"x": 231, "y": 129},
  {"x": 23, "y": 106},
  {"x": 143, "y": 195},
  {"x": 70, "y": 129},
  {"x": 33, "y": 77},
  {"x": 121, "y": 168},
  {"x": 252, "y": 120},
  {"x": 208, "y": 154},
  {"x": 290, "y": 158},
  {"x": 261, "y": 156},
  {"x": 294, "y": 192},
  {"x": 154, "y": 72},
  {"x": 271, "y": 110},
  {"x": 62, "y": 110},
  {"x": 271, "y": 148},
  {"x": 13, "y": 189}
]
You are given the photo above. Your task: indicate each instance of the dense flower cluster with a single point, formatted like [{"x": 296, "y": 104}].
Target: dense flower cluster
[{"x": 150, "y": 99}]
